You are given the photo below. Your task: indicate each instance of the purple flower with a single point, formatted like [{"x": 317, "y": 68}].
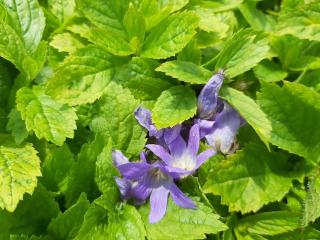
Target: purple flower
[
  {"x": 208, "y": 97},
  {"x": 220, "y": 133},
  {"x": 149, "y": 180},
  {"x": 183, "y": 158},
  {"x": 164, "y": 136}
]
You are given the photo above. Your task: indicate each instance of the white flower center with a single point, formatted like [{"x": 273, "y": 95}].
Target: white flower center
[{"x": 185, "y": 161}]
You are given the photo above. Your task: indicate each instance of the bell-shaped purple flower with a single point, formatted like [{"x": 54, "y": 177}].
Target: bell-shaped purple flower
[
  {"x": 221, "y": 136},
  {"x": 208, "y": 97},
  {"x": 149, "y": 180},
  {"x": 183, "y": 158}
]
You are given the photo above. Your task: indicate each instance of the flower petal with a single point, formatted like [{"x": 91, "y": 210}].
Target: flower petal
[
  {"x": 124, "y": 186},
  {"x": 118, "y": 158},
  {"x": 159, "y": 151},
  {"x": 134, "y": 170},
  {"x": 180, "y": 198},
  {"x": 204, "y": 156},
  {"x": 170, "y": 134},
  {"x": 143, "y": 189},
  {"x": 205, "y": 126},
  {"x": 208, "y": 97},
  {"x": 177, "y": 147},
  {"x": 158, "y": 204},
  {"x": 194, "y": 140},
  {"x": 143, "y": 116}
]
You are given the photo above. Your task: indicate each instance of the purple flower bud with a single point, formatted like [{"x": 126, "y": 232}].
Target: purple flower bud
[{"x": 208, "y": 97}]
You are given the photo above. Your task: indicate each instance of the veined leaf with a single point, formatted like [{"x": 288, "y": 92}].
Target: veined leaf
[
  {"x": 242, "y": 52},
  {"x": 170, "y": 36},
  {"x": 17, "y": 126},
  {"x": 185, "y": 71},
  {"x": 250, "y": 178},
  {"x": 174, "y": 106},
  {"x": 66, "y": 42},
  {"x": 20, "y": 168},
  {"x": 46, "y": 117},
  {"x": 61, "y": 9},
  {"x": 269, "y": 71},
  {"x": 179, "y": 223}
]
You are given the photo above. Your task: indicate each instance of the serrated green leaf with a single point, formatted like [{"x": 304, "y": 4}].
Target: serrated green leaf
[
  {"x": 179, "y": 223},
  {"x": 185, "y": 71},
  {"x": 46, "y": 117},
  {"x": 61, "y": 9},
  {"x": 66, "y": 42},
  {"x": 95, "y": 224},
  {"x": 269, "y": 71},
  {"x": 126, "y": 224},
  {"x": 311, "y": 209},
  {"x": 20, "y": 168},
  {"x": 32, "y": 215},
  {"x": 82, "y": 77},
  {"x": 242, "y": 52},
  {"x": 170, "y": 36},
  {"x": 17, "y": 126},
  {"x": 27, "y": 18},
  {"x": 269, "y": 223},
  {"x": 174, "y": 106},
  {"x": 301, "y": 21},
  {"x": 297, "y": 134},
  {"x": 113, "y": 117},
  {"x": 250, "y": 178},
  {"x": 299, "y": 234},
  {"x": 66, "y": 225},
  {"x": 56, "y": 168}
]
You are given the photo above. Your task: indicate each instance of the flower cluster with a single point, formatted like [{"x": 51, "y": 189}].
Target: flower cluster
[{"x": 175, "y": 156}]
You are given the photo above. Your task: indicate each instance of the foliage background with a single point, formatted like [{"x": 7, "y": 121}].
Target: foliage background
[{"x": 73, "y": 72}]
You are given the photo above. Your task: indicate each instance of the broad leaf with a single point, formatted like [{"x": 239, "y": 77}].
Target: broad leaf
[
  {"x": 20, "y": 168},
  {"x": 170, "y": 36},
  {"x": 242, "y": 52},
  {"x": 246, "y": 180},
  {"x": 269, "y": 71},
  {"x": 185, "y": 71},
  {"x": 174, "y": 106},
  {"x": 311, "y": 210},
  {"x": 17, "y": 126},
  {"x": 179, "y": 223},
  {"x": 46, "y": 117}
]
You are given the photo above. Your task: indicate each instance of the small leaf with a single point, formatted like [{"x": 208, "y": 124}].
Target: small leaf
[
  {"x": 46, "y": 117},
  {"x": 174, "y": 106},
  {"x": 246, "y": 180},
  {"x": 17, "y": 126},
  {"x": 242, "y": 52},
  {"x": 180, "y": 223},
  {"x": 170, "y": 36},
  {"x": 269, "y": 71},
  {"x": 20, "y": 168},
  {"x": 185, "y": 71}
]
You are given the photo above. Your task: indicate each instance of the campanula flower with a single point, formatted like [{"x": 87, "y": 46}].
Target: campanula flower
[
  {"x": 149, "y": 179},
  {"x": 208, "y": 97},
  {"x": 182, "y": 158}
]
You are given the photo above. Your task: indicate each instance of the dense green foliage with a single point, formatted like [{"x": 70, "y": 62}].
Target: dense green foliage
[{"x": 72, "y": 73}]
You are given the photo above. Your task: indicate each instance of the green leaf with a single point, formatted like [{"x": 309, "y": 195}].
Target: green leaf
[
  {"x": 113, "y": 117},
  {"x": 104, "y": 177},
  {"x": 135, "y": 25},
  {"x": 296, "y": 54},
  {"x": 5, "y": 85},
  {"x": 95, "y": 224},
  {"x": 31, "y": 216},
  {"x": 180, "y": 223},
  {"x": 66, "y": 225},
  {"x": 301, "y": 21},
  {"x": 269, "y": 223},
  {"x": 242, "y": 52},
  {"x": 311, "y": 210},
  {"x": 82, "y": 77},
  {"x": 28, "y": 20},
  {"x": 297, "y": 134},
  {"x": 46, "y": 117},
  {"x": 66, "y": 42},
  {"x": 20, "y": 168},
  {"x": 170, "y": 36},
  {"x": 299, "y": 234},
  {"x": 61, "y": 9},
  {"x": 174, "y": 106},
  {"x": 126, "y": 223},
  {"x": 249, "y": 110},
  {"x": 250, "y": 178},
  {"x": 17, "y": 126},
  {"x": 56, "y": 168},
  {"x": 185, "y": 71},
  {"x": 82, "y": 175},
  {"x": 269, "y": 71}
]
